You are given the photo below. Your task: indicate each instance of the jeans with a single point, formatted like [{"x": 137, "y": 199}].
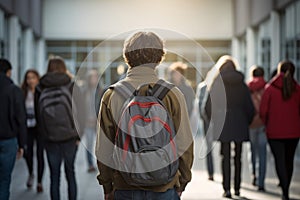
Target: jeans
[
  {"x": 33, "y": 135},
  {"x": 8, "y": 151},
  {"x": 170, "y": 194},
  {"x": 209, "y": 158},
  {"x": 284, "y": 153},
  {"x": 56, "y": 153},
  {"x": 226, "y": 169},
  {"x": 258, "y": 145},
  {"x": 90, "y": 134}
]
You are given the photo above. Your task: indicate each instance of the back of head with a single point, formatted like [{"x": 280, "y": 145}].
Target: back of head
[
  {"x": 257, "y": 71},
  {"x": 286, "y": 66},
  {"x": 226, "y": 62},
  {"x": 288, "y": 69},
  {"x": 5, "y": 66},
  {"x": 179, "y": 67},
  {"x": 143, "y": 49},
  {"x": 57, "y": 64}
]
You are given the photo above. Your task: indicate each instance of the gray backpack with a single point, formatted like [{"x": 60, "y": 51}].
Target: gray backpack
[
  {"x": 55, "y": 113},
  {"x": 145, "y": 148}
]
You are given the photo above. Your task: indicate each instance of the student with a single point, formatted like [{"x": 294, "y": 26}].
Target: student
[
  {"x": 176, "y": 71},
  {"x": 258, "y": 139},
  {"x": 279, "y": 111},
  {"x": 90, "y": 123},
  {"x": 31, "y": 79},
  {"x": 142, "y": 52},
  {"x": 54, "y": 114},
  {"x": 239, "y": 114},
  {"x": 12, "y": 127},
  {"x": 202, "y": 97}
]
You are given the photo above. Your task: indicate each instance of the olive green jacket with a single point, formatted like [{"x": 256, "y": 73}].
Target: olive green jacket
[{"x": 109, "y": 114}]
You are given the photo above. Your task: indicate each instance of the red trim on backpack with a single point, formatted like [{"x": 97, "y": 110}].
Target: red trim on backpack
[
  {"x": 144, "y": 104},
  {"x": 140, "y": 117}
]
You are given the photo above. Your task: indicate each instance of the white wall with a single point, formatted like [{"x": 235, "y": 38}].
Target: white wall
[{"x": 100, "y": 19}]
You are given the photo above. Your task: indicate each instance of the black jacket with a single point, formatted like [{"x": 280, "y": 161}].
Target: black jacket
[
  {"x": 52, "y": 80},
  {"x": 238, "y": 109},
  {"x": 12, "y": 111}
]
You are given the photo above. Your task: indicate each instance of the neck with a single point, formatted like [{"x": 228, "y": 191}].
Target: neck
[{"x": 32, "y": 89}]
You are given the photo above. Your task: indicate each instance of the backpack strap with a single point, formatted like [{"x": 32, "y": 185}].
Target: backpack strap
[
  {"x": 161, "y": 88},
  {"x": 123, "y": 88}
]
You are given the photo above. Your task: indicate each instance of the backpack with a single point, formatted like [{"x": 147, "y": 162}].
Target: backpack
[
  {"x": 55, "y": 113},
  {"x": 145, "y": 150},
  {"x": 203, "y": 96}
]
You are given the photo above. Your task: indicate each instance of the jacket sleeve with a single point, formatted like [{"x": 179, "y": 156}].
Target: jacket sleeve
[
  {"x": 184, "y": 140},
  {"x": 104, "y": 148},
  {"x": 20, "y": 117},
  {"x": 250, "y": 110},
  {"x": 264, "y": 106},
  {"x": 37, "y": 95}
]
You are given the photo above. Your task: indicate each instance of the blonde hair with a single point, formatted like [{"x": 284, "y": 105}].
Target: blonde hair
[{"x": 224, "y": 62}]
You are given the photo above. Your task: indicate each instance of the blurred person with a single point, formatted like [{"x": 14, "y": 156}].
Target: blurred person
[
  {"x": 279, "y": 111},
  {"x": 92, "y": 88},
  {"x": 177, "y": 70},
  {"x": 12, "y": 127},
  {"x": 30, "y": 81},
  {"x": 258, "y": 139},
  {"x": 202, "y": 98},
  {"x": 142, "y": 62},
  {"x": 239, "y": 114},
  {"x": 55, "y": 118}
]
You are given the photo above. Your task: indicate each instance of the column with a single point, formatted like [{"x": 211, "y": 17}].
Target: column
[
  {"x": 2, "y": 28},
  {"x": 28, "y": 61},
  {"x": 13, "y": 36},
  {"x": 235, "y": 49},
  {"x": 250, "y": 50},
  {"x": 41, "y": 63},
  {"x": 275, "y": 40}
]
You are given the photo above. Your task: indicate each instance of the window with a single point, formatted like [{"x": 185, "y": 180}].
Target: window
[
  {"x": 290, "y": 36},
  {"x": 266, "y": 56}
]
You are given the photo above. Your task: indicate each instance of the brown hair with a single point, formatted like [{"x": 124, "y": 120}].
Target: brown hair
[
  {"x": 57, "y": 64},
  {"x": 24, "y": 85},
  {"x": 143, "y": 48},
  {"x": 257, "y": 71},
  {"x": 288, "y": 69}
]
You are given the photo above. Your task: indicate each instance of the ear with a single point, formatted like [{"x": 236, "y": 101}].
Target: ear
[{"x": 8, "y": 73}]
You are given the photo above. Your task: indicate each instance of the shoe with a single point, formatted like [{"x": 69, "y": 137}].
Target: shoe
[
  {"x": 237, "y": 193},
  {"x": 39, "y": 188},
  {"x": 30, "y": 181},
  {"x": 211, "y": 178},
  {"x": 254, "y": 180},
  {"x": 227, "y": 194},
  {"x": 279, "y": 185},
  {"x": 261, "y": 189},
  {"x": 91, "y": 169},
  {"x": 285, "y": 198}
]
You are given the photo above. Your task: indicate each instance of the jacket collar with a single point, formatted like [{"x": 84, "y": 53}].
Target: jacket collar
[{"x": 141, "y": 74}]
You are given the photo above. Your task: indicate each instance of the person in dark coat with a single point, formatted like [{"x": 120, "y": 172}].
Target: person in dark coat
[
  {"x": 58, "y": 151},
  {"x": 279, "y": 110},
  {"x": 13, "y": 129},
  {"x": 30, "y": 81},
  {"x": 230, "y": 96}
]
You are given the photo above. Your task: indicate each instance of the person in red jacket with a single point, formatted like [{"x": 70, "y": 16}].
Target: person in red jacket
[
  {"x": 280, "y": 112},
  {"x": 257, "y": 136}
]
